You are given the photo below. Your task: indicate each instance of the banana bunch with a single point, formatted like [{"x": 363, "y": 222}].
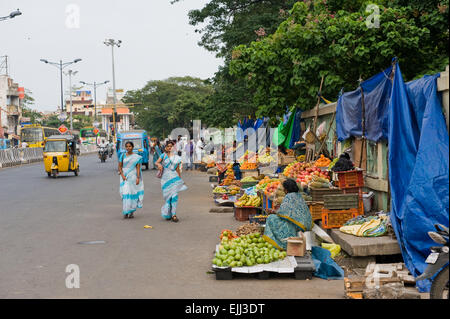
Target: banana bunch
[
  {"x": 265, "y": 159},
  {"x": 246, "y": 200}
]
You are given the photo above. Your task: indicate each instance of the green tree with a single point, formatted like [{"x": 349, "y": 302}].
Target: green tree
[
  {"x": 285, "y": 68},
  {"x": 164, "y": 105},
  {"x": 27, "y": 111},
  {"x": 223, "y": 25}
]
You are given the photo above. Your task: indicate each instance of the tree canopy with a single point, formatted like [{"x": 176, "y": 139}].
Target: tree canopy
[
  {"x": 322, "y": 38},
  {"x": 164, "y": 105}
]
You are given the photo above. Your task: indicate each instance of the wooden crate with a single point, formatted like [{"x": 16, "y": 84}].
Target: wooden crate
[
  {"x": 285, "y": 159},
  {"x": 318, "y": 193},
  {"x": 243, "y": 213},
  {"x": 315, "y": 208},
  {"x": 250, "y": 172},
  {"x": 341, "y": 201},
  {"x": 349, "y": 179},
  {"x": 337, "y": 218}
]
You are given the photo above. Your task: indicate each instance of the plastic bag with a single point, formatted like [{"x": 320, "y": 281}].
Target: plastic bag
[{"x": 334, "y": 249}]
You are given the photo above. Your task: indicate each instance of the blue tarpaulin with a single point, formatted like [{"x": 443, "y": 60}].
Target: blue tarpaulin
[
  {"x": 377, "y": 91},
  {"x": 418, "y": 168}
]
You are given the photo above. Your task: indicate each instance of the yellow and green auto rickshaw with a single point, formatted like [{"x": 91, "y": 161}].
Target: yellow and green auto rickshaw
[{"x": 60, "y": 155}]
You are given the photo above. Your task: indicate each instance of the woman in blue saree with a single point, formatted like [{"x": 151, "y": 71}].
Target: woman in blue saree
[
  {"x": 171, "y": 182},
  {"x": 292, "y": 216},
  {"x": 156, "y": 153},
  {"x": 131, "y": 183}
]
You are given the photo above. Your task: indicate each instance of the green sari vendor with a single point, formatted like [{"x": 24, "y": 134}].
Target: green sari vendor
[{"x": 292, "y": 216}]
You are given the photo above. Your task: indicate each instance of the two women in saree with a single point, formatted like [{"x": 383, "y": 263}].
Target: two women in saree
[
  {"x": 131, "y": 182},
  {"x": 292, "y": 216},
  {"x": 171, "y": 182}
]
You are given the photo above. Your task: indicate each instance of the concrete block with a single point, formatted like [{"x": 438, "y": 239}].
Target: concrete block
[{"x": 365, "y": 246}]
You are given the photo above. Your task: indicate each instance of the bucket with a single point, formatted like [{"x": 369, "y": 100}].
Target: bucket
[{"x": 367, "y": 200}]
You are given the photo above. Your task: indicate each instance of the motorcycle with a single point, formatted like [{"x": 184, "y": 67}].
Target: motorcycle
[
  {"x": 437, "y": 259},
  {"x": 102, "y": 154},
  {"x": 110, "y": 150}
]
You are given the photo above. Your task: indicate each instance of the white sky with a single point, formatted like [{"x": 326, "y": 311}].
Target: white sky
[{"x": 157, "y": 43}]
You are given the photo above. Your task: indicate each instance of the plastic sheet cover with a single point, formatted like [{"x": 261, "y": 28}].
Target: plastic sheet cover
[
  {"x": 377, "y": 90},
  {"x": 418, "y": 168}
]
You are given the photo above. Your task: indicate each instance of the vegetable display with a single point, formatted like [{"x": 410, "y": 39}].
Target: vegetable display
[{"x": 246, "y": 250}]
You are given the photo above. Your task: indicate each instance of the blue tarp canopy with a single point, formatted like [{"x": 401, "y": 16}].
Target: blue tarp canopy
[
  {"x": 377, "y": 91},
  {"x": 418, "y": 168},
  {"x": 409, "y": 115}
]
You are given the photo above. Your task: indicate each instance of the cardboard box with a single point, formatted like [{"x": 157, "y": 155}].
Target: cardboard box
[{"x": 296, "y": 246}]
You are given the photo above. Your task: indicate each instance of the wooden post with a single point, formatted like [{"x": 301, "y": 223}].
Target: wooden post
[{"x": 317, "y": 107}]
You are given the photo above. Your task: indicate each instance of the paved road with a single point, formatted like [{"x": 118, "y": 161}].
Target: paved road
[{"x": 42, "y": 220}]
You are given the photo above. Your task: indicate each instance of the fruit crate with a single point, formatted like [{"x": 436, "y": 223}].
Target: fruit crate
[
  {"x": 353, "y": 190},
  {"x": 266, "y": 202},
  {"x": 350, "y": 179},
  {"x": 249, "y": 184},
  {"x": 250, "y": 172},
  {"x": 318, "y": 193},
  {"x": 258, "y": 220},
  {"x": 285, "y": 159},
  {"x": 337, "y": 218},
  {"x": 341, "y": 201},
  {"x": 315, "y": 208},
  {"x": 242, "y": 213}
]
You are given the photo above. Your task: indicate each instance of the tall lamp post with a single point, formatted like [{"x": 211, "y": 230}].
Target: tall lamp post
[
  {"x": 95, "y": 85},
  {"x": 70, "y": 73},
  {"x": 61, "y": 66},
  {"x": 112, "y": 43},
  {"x": 11, "y": 15}
]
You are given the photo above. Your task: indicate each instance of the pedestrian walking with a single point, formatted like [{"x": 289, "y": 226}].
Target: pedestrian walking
[
  {"x": 171, "y": 182},
  {"x": 157, "y": 152},
  {"x": 189, "y": 153},
  {"x": 131, "y": 183},
  {"x": 198, "y": 150}
]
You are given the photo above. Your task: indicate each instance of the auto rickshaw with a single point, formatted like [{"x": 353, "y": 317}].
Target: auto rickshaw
[{"x": 60, "y": 155}]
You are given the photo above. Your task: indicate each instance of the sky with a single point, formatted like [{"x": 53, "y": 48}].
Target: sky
[{"x": 157, "y": 43}]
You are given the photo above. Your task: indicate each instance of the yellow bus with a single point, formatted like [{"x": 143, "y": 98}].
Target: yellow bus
[{"x": 35, "y": 135}]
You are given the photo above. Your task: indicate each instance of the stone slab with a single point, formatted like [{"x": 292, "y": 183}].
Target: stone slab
[{"x": 365, "y": 246}]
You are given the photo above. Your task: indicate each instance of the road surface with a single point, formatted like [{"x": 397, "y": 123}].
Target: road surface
[{"x": 42, "y": 221}]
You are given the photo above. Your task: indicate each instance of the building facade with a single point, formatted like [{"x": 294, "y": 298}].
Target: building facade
[{"x": 11, "y": 96}]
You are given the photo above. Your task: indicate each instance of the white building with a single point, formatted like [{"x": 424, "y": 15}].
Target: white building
[{"x": 11, "y": 96}]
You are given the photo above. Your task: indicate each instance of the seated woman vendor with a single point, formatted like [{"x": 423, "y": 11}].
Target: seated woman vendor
[{"x": 292, "y": 216}]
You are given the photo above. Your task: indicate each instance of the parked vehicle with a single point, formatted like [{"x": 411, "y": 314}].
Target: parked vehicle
[
  {"x": 5, "y": 143},
  {"x": 438, "y": 264},
  {"x": 140, "y": 140}
]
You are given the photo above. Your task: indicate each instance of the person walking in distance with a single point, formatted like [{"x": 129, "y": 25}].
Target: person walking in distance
[
  {"x": 131, "y": 183},
  {"x": 171, "y": 182}
]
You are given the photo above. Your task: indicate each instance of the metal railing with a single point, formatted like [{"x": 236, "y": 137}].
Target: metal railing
[{"x": 18, "y": 156}]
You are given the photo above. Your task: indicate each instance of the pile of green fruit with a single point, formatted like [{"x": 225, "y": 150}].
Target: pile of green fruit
[{"x": 247, "y": 250}]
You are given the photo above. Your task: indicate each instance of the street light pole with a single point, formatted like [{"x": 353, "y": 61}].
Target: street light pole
[
  {"x": 62, "y": 92},
  {"x": 112, "y": 43},
  {"x": 70, "y": 73},
  {"x": 95, "y": 85},
  {"x": 61, "y": 66}
]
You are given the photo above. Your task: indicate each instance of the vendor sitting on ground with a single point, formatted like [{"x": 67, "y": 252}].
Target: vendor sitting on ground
[{"x": 292, "y": 216}]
